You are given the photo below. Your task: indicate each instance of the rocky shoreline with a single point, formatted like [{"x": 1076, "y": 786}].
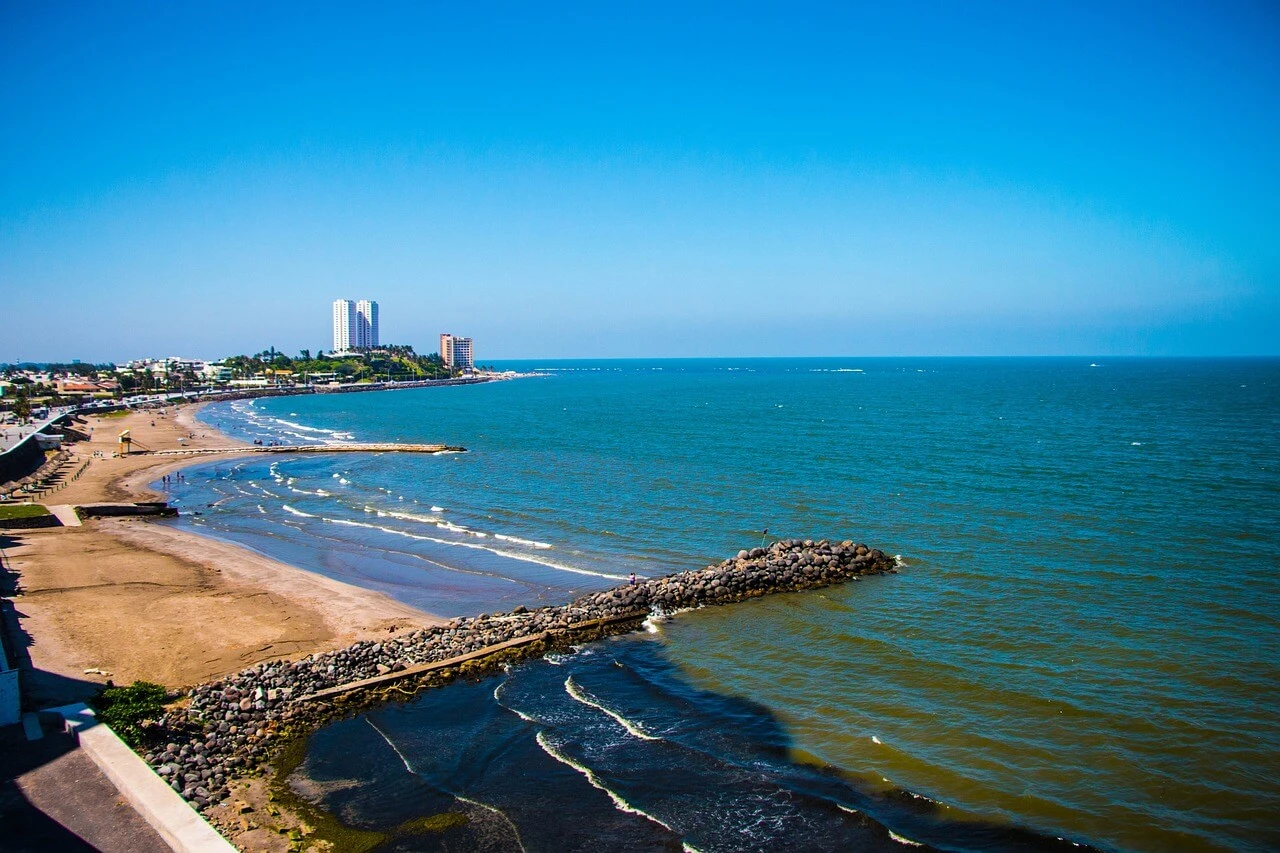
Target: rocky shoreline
[{"x": 228, "y": 728}]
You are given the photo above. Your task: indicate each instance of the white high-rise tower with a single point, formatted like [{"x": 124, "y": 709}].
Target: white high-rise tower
[
  {"x": 346, "y": 325},
  {"x": 367, "y": 311}
]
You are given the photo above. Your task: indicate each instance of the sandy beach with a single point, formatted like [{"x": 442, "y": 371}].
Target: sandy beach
[{"x": 131, "y": 599}]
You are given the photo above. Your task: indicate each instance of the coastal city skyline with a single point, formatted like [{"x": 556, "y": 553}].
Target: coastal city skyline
[{"x": 855, "y": 180}]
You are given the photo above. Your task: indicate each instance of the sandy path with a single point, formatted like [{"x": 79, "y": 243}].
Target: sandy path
[{"x": 144, "y": 600}]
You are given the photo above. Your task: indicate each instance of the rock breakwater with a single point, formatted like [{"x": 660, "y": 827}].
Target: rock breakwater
[{"x": 229, "y": 727}]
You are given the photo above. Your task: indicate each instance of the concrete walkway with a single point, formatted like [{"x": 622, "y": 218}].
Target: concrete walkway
[
  {"x": 177, "y": 823},
  {"x": 65, "y": 513},
  {"x": 53, "y": 797}
]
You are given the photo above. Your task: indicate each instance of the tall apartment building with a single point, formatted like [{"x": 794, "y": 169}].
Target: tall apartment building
[
  {"x": 367, "y": 313},
  {"x": 456, "y": 352},
  {"x": 355, "y": 325},
  {"x": 346, "y": 325}
]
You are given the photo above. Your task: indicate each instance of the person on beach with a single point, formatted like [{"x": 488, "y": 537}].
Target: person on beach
[{"x": 633, "y": 578}]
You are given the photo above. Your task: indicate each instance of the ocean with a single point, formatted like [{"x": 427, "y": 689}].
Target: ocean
[{"x": 1082, "y": 646}]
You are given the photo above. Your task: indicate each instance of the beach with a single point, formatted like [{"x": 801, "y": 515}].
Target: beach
[{"x": 125, "y": 599}]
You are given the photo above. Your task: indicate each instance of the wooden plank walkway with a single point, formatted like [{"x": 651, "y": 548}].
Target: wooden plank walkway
[{"x": 419, "y": 669}]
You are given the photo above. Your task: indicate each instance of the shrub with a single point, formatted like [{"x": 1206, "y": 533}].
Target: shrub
[{"x": 128, "y": 710}]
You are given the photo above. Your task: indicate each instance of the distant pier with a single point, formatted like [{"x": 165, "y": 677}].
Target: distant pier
[{"x": 351, "y": 447}]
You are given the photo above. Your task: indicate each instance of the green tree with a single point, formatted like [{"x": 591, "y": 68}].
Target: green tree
[{"x": 21, "y": 404}]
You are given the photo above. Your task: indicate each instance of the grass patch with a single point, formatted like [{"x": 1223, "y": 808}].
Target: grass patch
[
  {"x": 21, "y": 511},
  {"x": 130, "y": 710}
]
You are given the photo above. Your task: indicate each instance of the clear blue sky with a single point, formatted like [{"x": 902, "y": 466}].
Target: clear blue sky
[{"x": 610, "y": 179}]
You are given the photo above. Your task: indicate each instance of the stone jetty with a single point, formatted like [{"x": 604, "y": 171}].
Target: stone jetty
[
  {"x": 230, "y": 727},
  {"x": 343, "y": 447}
]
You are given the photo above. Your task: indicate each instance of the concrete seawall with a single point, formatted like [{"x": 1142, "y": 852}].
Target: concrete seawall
[
  {"x": 153, "y": 509},
  {"x": 21, "y": 460}
]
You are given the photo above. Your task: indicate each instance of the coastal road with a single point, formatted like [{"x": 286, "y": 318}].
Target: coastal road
[{"x": 11, "y": 435}]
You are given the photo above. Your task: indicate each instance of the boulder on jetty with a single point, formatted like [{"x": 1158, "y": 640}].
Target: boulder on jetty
[{"x": 230, "y": 726}]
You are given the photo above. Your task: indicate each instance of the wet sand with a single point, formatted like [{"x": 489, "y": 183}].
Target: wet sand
[{"x": 139, "y": 599}]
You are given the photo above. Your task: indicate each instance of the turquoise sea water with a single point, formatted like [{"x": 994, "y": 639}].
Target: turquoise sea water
[{"x": 1083, "y": 641}]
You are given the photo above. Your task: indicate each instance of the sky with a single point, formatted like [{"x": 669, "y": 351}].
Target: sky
[{"x": 561, "y": 180}]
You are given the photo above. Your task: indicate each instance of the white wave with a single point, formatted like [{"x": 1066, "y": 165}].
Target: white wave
[
  {"x": 500, "y": 813},
  {"x": 305, "y": 428},
  {"x": 521, "y": 714},
  {"x": 437, "y": 509},
  {"x": 898, "y": 838},
  {"x": 458, "y": 528},
  {"x": 1135, "y": 444},
  {"x": 270, "y": 427},
  {"x": 297, "y": 512},
  {"x": 305, "y": 492},
  {"x": 516, "y": 539},
  {"x": 344, "y": 481},
  {"x": 571, "y": 687},
  {"x": 619, "y": 803},
  {"x": 394, "y": 748},
  {"x": 511, "y": 555},
  {"x": 261, "y": 510},
  {"x": 352, "y": 523},
  {"x": 408, "y": 516},
  {"x": 322, "y": 493},
  {"x": 409, "y": 767}
]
